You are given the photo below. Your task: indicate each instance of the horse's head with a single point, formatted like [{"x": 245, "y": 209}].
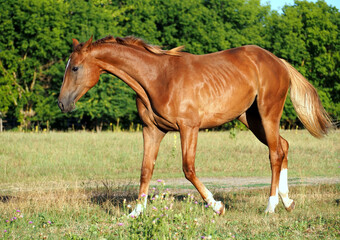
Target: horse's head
[{"x": 81, "y": 74}]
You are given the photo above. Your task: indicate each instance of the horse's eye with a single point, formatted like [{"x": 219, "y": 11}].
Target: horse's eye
[{"x": 74, "y": 69}]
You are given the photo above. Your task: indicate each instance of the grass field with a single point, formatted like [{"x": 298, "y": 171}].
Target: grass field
[
  {"x": 31, "y": 157},
  {"x": 75, "y": 186}
]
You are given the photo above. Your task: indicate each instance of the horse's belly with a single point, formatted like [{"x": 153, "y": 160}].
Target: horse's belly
[
  {"x": 220, "y": 112},
  {"x": 211, "y": 120}
]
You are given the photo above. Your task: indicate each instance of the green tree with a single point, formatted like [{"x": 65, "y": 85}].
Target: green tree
[
  {"x": 29, "y": 44},
  {"x": 36, "y": 41},
  {"x": 307, "y": 35},
  {"x": 243, "y": 21},
  {"x": 34, "y": 47}
]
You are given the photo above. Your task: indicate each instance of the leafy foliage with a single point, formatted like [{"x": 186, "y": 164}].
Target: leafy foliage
[
  {"x": 307, "y": 35},
  {"x": 36, "y": 42}
]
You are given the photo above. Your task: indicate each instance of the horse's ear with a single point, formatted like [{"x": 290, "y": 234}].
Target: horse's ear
[
  {"x": 75, "y": 43},
  {"x": 88, "y": 43}
]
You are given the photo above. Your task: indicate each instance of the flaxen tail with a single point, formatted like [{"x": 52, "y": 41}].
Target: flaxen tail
[{"x": 307, "y": 103}]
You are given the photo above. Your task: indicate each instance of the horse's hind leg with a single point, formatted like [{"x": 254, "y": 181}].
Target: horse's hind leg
[
  {"x": 278, "y": 157},
  {"x": 283, "y": 182}
]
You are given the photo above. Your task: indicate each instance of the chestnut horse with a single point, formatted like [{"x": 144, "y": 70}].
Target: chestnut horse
[{"x": 178, "y": 91}]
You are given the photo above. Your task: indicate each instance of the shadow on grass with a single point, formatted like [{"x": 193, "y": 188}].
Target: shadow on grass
[
  {"x": 107, "y": 195},
  {"x": 5, "y": 199},
  {"x": 115, "y": 194}
]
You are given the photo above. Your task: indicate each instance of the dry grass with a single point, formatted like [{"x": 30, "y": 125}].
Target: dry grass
[
  {"x": 65, "y": 186},
  {"x": 101, "y": 214}
]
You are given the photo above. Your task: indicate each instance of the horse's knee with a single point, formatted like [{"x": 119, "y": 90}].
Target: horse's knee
[
  {"x": 145, "y": 174},
  {"x": 189, "y": 172}
]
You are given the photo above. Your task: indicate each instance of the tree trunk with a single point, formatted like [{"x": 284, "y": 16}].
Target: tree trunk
[{"x": 99, "y": 127}]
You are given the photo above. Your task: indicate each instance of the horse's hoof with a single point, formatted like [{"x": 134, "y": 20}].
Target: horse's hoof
[
  {"x": 137, "y": 211},
  {"x": 269, "y": 211},
  {"x": 222, "y": 209},
  {"x": 291, "y": 207},
  {"x": 219, "y": 208}
]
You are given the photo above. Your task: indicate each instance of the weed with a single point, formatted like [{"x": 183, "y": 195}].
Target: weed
[{"x": 170, "y": 216}]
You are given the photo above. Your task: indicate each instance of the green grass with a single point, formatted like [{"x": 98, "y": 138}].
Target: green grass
[
  {"x": 78, "y": 156},
  {"x": 76, "y": 186}
]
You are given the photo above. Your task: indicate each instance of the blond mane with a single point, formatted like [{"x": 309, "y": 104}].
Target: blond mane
[{"x": 136, "y": 42}]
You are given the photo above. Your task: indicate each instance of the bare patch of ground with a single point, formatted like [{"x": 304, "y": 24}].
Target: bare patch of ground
[
  {"x": 227, "y": 184},
  {"x": 178, "y": 185}
]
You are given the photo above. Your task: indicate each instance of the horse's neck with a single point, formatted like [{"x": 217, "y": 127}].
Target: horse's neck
[
  {"x": 141, "y": 65},
  {"x": 137, "y": 68}
]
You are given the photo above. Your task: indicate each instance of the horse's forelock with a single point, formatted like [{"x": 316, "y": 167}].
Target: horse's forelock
[{"x": 78, "y": 47}]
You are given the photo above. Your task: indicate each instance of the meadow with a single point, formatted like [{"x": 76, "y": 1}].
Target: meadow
[{"x": 82, "y": 185}]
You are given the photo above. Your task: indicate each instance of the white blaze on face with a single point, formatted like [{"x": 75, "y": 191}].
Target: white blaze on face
[{"x": 68, "y": 63}]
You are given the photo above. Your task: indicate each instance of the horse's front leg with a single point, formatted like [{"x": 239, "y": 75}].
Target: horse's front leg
[
  {"x": 152, "y": 137},
  {"x": 189, "y": 142}
]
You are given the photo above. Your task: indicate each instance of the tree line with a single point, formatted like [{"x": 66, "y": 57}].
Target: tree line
[{"x": 36, "y": 41}]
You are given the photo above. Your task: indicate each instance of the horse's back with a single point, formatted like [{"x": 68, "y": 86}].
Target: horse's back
[{"x": 218, "y": 87}]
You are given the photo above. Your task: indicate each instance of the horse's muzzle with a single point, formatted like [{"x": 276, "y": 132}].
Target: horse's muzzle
[{"x": 65, "y": 106}]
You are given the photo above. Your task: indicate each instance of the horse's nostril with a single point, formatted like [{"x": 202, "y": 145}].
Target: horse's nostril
[{"x": 61, "y": 106}]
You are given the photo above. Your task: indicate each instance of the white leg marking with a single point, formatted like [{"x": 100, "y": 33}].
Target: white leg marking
[
  {"x": 273, "y": 201},
  {"x": 139, "y": 207},
  {"x": 283, "y": 188},
  {"x": 216, "y": 206}
]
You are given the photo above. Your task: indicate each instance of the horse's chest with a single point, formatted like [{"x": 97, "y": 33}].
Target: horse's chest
[{"x": 159, "y": 119}]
